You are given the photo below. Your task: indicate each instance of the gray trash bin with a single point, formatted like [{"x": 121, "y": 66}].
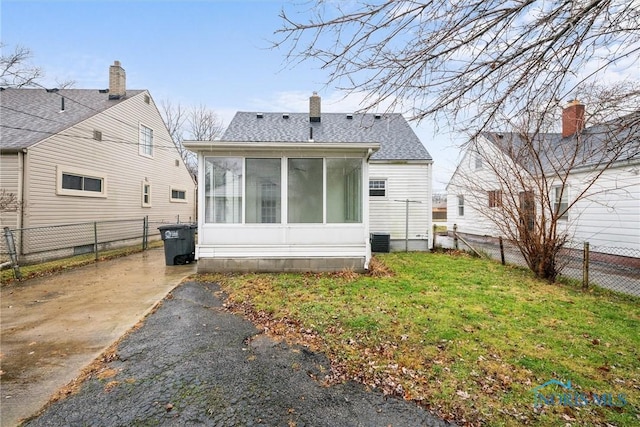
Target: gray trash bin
[{"x": 179, "y": 243}]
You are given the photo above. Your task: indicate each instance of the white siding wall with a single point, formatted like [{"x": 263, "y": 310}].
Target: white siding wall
[
  {"x": 9, "y": 181},
  {"x": 610, "y": 215},
  {"x": 116, "y": 157},
  {"x": 387, "y": 215},
  {"x": 465, "y": 177}
]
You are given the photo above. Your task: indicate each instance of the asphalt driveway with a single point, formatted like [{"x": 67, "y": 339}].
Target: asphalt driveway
[
  {"x": 193, "y": 363},
  {"x": 52, "y": 327}
]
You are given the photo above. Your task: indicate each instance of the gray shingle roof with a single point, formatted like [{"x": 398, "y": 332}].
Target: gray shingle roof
[
  {"x": 28, "y": 116},
  {"x": 397, "y": 140},
  {"x": 617, "y": 140}
]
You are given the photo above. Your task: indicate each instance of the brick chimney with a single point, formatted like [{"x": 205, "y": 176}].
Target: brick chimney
[
  {"x": 314, "y": 108},
  {"x": 572, "y": 118},
  {"x": 117, "y": 81}
]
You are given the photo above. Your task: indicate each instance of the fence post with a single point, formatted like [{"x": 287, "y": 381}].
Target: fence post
[
  {"x": 585, "y": 266},
  {"x": 501, "y": 251},
  {"x": 11, "y": 246},
  {"x": 434, "y": 237},
  {"x": 145, "y": 233},
  {"x": 95, "y": 238},
  {"x": 455, "y": 236}
]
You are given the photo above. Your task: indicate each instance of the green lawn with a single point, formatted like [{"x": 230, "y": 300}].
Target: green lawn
[{"x": 467, "y": 338}]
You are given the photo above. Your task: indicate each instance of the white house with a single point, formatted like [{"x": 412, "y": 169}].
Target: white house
[
  {"x": 606, "y": 213},
  {"x": 303, "y": 191},
  {"x": 78, "y": 155}
]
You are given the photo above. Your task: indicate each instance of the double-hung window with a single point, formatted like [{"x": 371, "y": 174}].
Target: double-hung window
[
  {"x": 561, "y": 202},
  {"x": 145, "y": 146},
  {"x": 460, "y": 205},
  {"x": 377, "y": 188}
]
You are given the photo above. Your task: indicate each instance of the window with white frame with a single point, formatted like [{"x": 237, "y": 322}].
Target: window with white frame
[
  {"x": 263, "y": 188},
  {"x": 561, "y": 202},
  {"x": 304, "y": 192},
  {"x": 178, "y": 195},
  {"x": 145, "y": 146},
  {"x": 146, "y": 194},
  {"x": 344, "y": 190},
  {"x": 223, "y": 190},
  {"x": 377, "y": 188},
  {"x": 76, "y": 182},
  {"x": 460, "y": 205}
]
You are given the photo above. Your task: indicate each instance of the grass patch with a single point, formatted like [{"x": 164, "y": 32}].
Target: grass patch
[
  {"x": 50, "y": 267},
  {"x": 468, "y": 338}
]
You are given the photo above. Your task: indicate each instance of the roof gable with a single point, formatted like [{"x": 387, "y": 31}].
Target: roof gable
[
  {"x": 397, "y": 140},
  {"x": 31, "y": 115}
]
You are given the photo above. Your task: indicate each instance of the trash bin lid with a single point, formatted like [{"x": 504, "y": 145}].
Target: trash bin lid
[{"x": 174, "y": 227}]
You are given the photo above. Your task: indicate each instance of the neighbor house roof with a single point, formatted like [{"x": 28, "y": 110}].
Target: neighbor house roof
[
  {"x": 396, "y": 138},
  {"x": 617, "y": 140},
  {"x": 31, "y": 115}
]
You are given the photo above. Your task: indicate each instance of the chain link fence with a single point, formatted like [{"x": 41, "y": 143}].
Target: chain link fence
[
  {"x": 33, "y": 245},
  {"x": 609, "y": 267}
]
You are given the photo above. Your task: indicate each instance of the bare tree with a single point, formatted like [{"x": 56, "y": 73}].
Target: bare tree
[
  {"x": 8, "y": 201},
  {"x": 197, "y": 123},
  {"x": 469, "y": 59},
  {"x": 531, "y": 183},
  {"x": 15, "y": 70}
]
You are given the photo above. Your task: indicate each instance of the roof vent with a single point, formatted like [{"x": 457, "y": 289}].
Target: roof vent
[
  {"x": 259, "y": 115},
  {"x": 52, "y": 90},
  {"x": 377, "y": 116},
  {"x": 103, "y": 90},
  {"x": 349, "y": 116},
  {"x": 285, "y": 116}
]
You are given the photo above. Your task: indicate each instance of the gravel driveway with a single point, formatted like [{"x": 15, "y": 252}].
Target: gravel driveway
[{"x": 193, "y": 363}]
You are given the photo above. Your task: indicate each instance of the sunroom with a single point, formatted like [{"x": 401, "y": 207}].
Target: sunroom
[{"x": 282, "y": 206}]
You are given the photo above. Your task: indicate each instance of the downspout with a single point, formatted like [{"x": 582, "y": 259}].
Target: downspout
[
  {"x": 369, "y": 154},
  {"x": 22, "y": 173},
  {"x": 365, "y": 202},
  {"x": 21, "y": 180}
]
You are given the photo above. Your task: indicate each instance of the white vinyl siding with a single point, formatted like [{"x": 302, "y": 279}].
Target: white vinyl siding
[
  {"x": 387, "y": 214},
  {"x": 608, "y": 214}
]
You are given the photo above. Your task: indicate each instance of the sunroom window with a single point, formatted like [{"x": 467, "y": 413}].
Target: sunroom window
[
  {"x": 344, "y": 190},
  {"x": 304, "y": 191},
  {"x": 223, "y": 190},
  {"x": 263, "y": 191}
]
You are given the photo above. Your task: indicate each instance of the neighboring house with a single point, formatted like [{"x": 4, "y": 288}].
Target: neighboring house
[
  {"x": 608, "y": 214},
  {"x": 76, "y": 155},
  {"x": 303, "y": 191}
]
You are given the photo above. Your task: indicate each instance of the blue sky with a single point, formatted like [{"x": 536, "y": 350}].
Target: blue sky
[{"x": 215, "y": 53}]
